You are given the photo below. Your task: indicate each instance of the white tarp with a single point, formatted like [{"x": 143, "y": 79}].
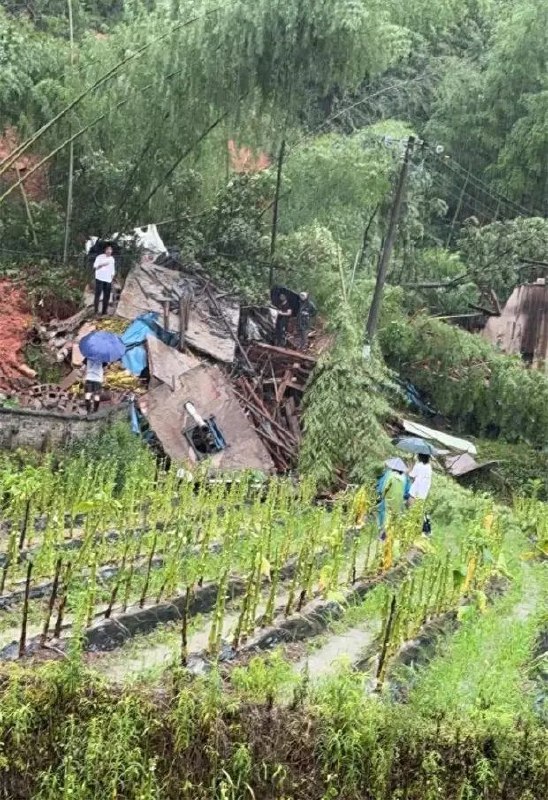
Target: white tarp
[
  {"x": 147, "y": 238},
  {"x": 453, "y": 442}
]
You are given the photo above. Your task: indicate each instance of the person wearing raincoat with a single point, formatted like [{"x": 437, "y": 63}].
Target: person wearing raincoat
[{"x": 392, "y": 491}]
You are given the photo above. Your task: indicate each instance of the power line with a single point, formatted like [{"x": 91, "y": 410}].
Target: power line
[{"x": 451, "y": 163}]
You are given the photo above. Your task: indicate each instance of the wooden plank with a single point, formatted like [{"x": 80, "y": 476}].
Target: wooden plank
[
  {"x": 286, "y": 381},
  {"x": 282, "y": 351},
  {"x": 268, "y": 417},
  {"x": 70, "y": 324},
  {"x": 70, "y": 379}
]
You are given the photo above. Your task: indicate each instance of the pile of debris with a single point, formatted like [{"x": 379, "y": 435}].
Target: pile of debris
[
  {"x": 210, "y": 383},
  {"x": 272, "y": 397},
  {"x": 50, "y": 397}
]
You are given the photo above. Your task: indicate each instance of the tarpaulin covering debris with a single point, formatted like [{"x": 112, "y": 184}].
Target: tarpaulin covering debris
[
  {"x": 134, "y": 338},
  {"x": 213, "y": 319}
]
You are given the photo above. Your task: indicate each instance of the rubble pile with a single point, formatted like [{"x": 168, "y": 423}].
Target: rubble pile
[
  {"x": 272, "y": 398},
  {"x": 189, "y": 345}
]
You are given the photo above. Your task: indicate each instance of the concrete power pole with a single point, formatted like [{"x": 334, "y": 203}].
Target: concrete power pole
[{"x": 373, "y": 318}]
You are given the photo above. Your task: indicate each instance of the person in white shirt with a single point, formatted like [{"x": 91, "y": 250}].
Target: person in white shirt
[
  {"x": 104, "y": 273},
  {"x": 421, "y": 477},
  {"x": 93, "y": 384}
]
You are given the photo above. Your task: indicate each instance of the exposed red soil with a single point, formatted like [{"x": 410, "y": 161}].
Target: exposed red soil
[
  {"x": 15, "y": 323},
  {"x": 36, "y": 187}
]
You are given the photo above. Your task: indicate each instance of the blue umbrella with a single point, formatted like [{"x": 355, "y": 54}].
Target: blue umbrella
[
  {"x": 102, "y": 346},
  {"x": 413, "y": 444}
]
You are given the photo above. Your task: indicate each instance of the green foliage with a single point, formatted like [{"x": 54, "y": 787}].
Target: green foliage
[
  {"x": 494, "y": 100},
  {"x": 230, "y": 238},
  {"x": 310, "y": 257},
  {"x": 437, "y": 265},
  {"x": 493, "y": 253},
  {"x": 481, "y": 671},
  {"x": 17, "y": 241},
  {"x": 468, "y": 380},
  {"x": 116, "y": 444},
  {"x": 344, "y": 409},
  {"x": 521, "y": 467},
  {"x": 28, "y": 61},
  {"x": 337, "y": 181}
]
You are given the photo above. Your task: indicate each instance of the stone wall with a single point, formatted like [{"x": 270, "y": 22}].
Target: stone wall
[{"x": 42, "y": 430}]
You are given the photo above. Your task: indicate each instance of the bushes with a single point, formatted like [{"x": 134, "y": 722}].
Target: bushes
[
  {"x": 64, "y": 736},
  {"x": 468, "y": 380}
]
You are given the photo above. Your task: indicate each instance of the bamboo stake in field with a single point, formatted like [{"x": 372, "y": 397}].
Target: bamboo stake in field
[
  {"x": 23, "y": 638},
  {"x": 63, "y": 602},
  {"x": 149, "y": 567},
  {"x": 51, "y": 602},
  {"x": 184, "y": 627},
  {"x": 25, "y": 524},
  {"x": 381, "y": 669}
]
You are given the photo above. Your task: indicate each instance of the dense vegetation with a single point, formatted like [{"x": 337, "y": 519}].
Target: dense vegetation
[
  {"x": 185, "y": 113},
  {"x": 179, "y": 113},
  {"x": 133, "y": 539}
]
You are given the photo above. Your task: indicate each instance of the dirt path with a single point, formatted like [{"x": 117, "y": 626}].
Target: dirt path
[{"x": 346, "y": 646}]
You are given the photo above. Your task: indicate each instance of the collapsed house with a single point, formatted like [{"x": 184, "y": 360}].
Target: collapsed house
[
  {"x": 201, "y": 355},
  {"x": 199, "y": 375}
]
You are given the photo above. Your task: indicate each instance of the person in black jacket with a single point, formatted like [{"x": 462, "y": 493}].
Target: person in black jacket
[
  {"x": 282, "y": 321},
  {"x": 306, "y": 311}
]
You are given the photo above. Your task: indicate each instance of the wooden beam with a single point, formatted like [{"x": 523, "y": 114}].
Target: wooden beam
[{"x": 293, "y": 354}]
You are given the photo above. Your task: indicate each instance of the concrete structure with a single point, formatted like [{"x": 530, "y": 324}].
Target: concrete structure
[
  {"x": 522, "y": 328},
  {"x": 42, "y": 430}
]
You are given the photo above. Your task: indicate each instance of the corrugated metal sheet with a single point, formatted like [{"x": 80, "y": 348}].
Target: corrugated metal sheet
[{"x": 522, "y": 328}]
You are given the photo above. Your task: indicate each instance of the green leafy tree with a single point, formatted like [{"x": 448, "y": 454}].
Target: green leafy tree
[{"x": 497, "y": 255}]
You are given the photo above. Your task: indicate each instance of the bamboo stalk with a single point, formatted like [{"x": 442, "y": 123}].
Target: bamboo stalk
[
  {"x": 381, "y": 669},
  {"x": 27, "y": 207},
  {"x": 184, "y": 628},
  {"x": 51, "y": 602},
  {"x": 68, "y": 215},
  {"x": 23, "y": 638}
]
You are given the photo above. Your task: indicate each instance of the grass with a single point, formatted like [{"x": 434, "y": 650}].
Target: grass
[{"x": 482, "y": 671}]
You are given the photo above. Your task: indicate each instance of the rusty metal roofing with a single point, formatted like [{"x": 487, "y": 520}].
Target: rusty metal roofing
[{"x": 522, "y": 328}]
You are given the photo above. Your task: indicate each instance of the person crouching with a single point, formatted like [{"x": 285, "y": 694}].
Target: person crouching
[{"x": 93, "y": 384}]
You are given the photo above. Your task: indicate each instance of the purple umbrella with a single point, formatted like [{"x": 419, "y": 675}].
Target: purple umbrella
[{"x": 102, "y": 346}]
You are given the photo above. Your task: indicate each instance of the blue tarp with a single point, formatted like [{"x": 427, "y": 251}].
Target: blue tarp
[
  {"x": 135, "y": 360},
  {"x": 134, "y": 338}
]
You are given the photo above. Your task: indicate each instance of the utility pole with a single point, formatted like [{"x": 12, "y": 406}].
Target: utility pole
[
  {"x": 373, "y": 318},
  {"x": 275, "y": 213}
]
